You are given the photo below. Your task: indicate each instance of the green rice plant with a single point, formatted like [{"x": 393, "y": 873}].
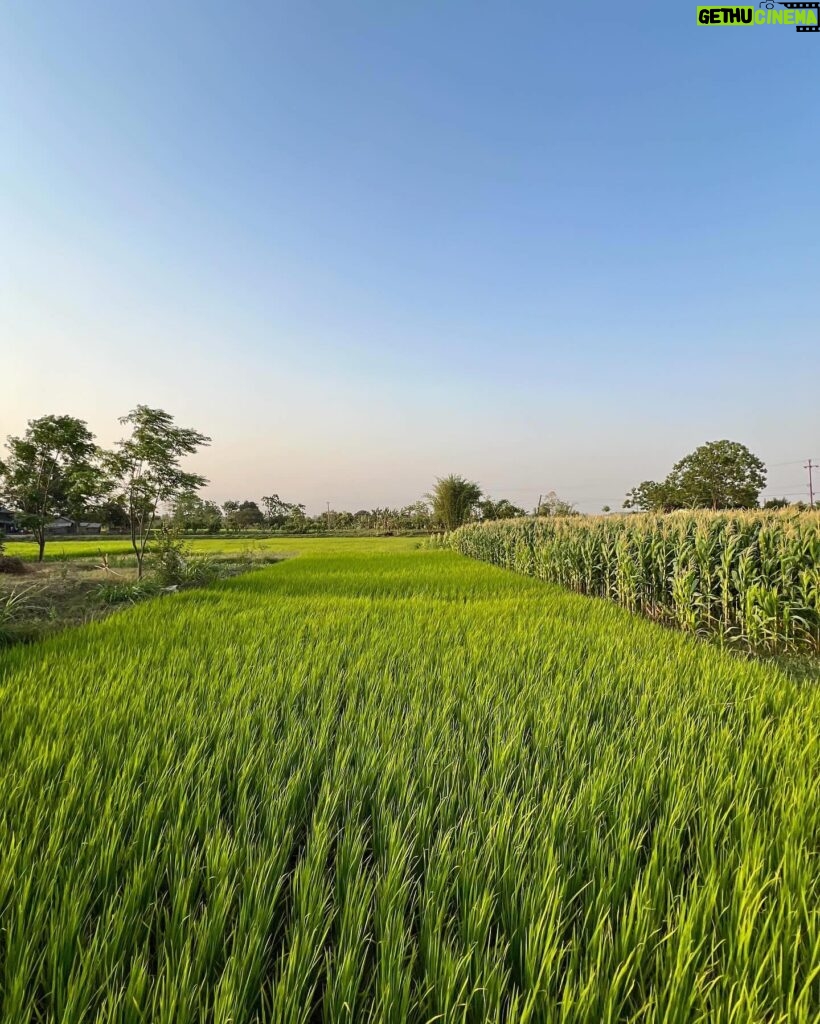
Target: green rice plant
[
  {"x": 382, "y": 783},
  {"x": 749, "y": 578},
  {"x": 126, "y": 591}
]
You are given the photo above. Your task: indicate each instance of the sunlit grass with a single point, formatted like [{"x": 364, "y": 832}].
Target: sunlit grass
[{"x": 378, "y": 783}]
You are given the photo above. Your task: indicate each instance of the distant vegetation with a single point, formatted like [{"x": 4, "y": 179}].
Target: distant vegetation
[
  {"x": 56, "y": 470},
  {"x": 751, "y": 578}
]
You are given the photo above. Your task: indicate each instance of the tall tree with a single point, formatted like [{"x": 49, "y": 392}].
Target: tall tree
[
  {"x": 147, "y": 468},
  {"x": 453, "y": 500},
  {"x": 719, "y": 474},
  {"x": 50, "y": 471}
]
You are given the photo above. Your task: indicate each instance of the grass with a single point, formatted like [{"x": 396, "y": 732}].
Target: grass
[{"x": 389, "y": 784}]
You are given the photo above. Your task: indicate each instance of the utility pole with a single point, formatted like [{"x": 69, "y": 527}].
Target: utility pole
[
  {"x": 538, "y": 506},
  {"x": 328, "y": 517},
  {"x": 810, "y": 466}
]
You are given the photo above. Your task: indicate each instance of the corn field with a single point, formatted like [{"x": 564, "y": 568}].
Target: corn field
[{"x": 749, "y": 578}]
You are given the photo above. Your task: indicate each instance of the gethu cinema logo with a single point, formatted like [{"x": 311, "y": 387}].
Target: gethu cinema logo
[{"x": 804, "y": 16}]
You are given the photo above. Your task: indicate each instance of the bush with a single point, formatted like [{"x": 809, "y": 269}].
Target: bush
[{"x": 169, "y": 558}]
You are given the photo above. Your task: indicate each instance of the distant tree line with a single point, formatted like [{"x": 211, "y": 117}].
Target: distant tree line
[
  {"x": 193, "y": 514},
  {"x": 56, "y": 469}
]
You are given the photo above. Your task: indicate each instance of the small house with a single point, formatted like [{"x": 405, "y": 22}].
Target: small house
[
  {"x": 8, "y": 521},
  {"x": 63, "y": 527}
]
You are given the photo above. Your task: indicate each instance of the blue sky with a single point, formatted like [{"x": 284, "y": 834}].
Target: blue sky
[{"x": 362, "y": 245}]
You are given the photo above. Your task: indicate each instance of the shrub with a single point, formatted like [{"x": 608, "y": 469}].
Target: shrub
[{"x": 169, "y": 558}]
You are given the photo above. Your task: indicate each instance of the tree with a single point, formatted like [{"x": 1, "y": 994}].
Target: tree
[
  {"x": 248, "y": 514},
  {"x": 279, "y": 513},
  {"x": 776, "y": 503},
  {"x": 147, "y": 469},
  {"x": 276, "y": 510},
  {"x": 229, "y": 510},
  {"x": 552, "y": 505},
  {"x": 650, "y": 496},
  {"x": 111, "y": 513},
  {"x": 501, "y": 509},
  {"x": 453, "y": 500},
  {"x": 416, "y": 516},
  {"x": 190, "y": 513},
  {"x": 51, "y": 471},
  {"x": 719, "y": 474}
]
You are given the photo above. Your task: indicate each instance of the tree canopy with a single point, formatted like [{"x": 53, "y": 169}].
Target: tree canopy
[
  {"x": 501, "y": 509},
  {"x": 717, "y": 475},
  {"x": 51, "y": 471},
  {"x": 148, "y": 471}
]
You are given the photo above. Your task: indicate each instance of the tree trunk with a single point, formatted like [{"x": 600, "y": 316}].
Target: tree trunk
[{"x": 41, "y": 542}]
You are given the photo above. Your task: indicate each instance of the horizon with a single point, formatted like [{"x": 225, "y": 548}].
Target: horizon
[{"x": 362, "y": 249}]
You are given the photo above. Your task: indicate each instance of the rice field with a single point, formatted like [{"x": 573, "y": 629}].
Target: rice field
[
  {"x": 379, "y": 783},
  {"x": 58, "y": 549},
  {"x": 751, "y": 579}
]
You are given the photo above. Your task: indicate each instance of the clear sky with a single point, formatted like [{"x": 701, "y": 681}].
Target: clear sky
[{"x": 550, "y": 247}]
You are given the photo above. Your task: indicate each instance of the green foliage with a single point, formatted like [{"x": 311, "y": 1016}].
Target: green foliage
[
  {"x": 248, "y": 514},
  {"x": 242, "y": 515},
  {"x": 751, "y": 578},
  {"x": 502, "y": 509},
  {"x": 378, "y": 784},
  {"x": 169, "y": 556},
  {"x": 50, "y": 471},
  {"x": 280, "y": 513},
  {"x": 718, "y": 475},
  {"x": 147, "y": 467},
  {"x": 192, "y": 514},
  {"x": 126, "y": 592},
  {"x": 453, "y": 500},
  {"x": 650, "y": 496}
]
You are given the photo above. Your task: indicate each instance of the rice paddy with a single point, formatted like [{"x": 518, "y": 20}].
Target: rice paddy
[{"x": 379, "y": 783}]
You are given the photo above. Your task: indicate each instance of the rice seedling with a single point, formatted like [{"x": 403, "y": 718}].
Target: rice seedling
[
  {"x": 750, "y": 578},
  {"x": 375, "y": 783}
]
